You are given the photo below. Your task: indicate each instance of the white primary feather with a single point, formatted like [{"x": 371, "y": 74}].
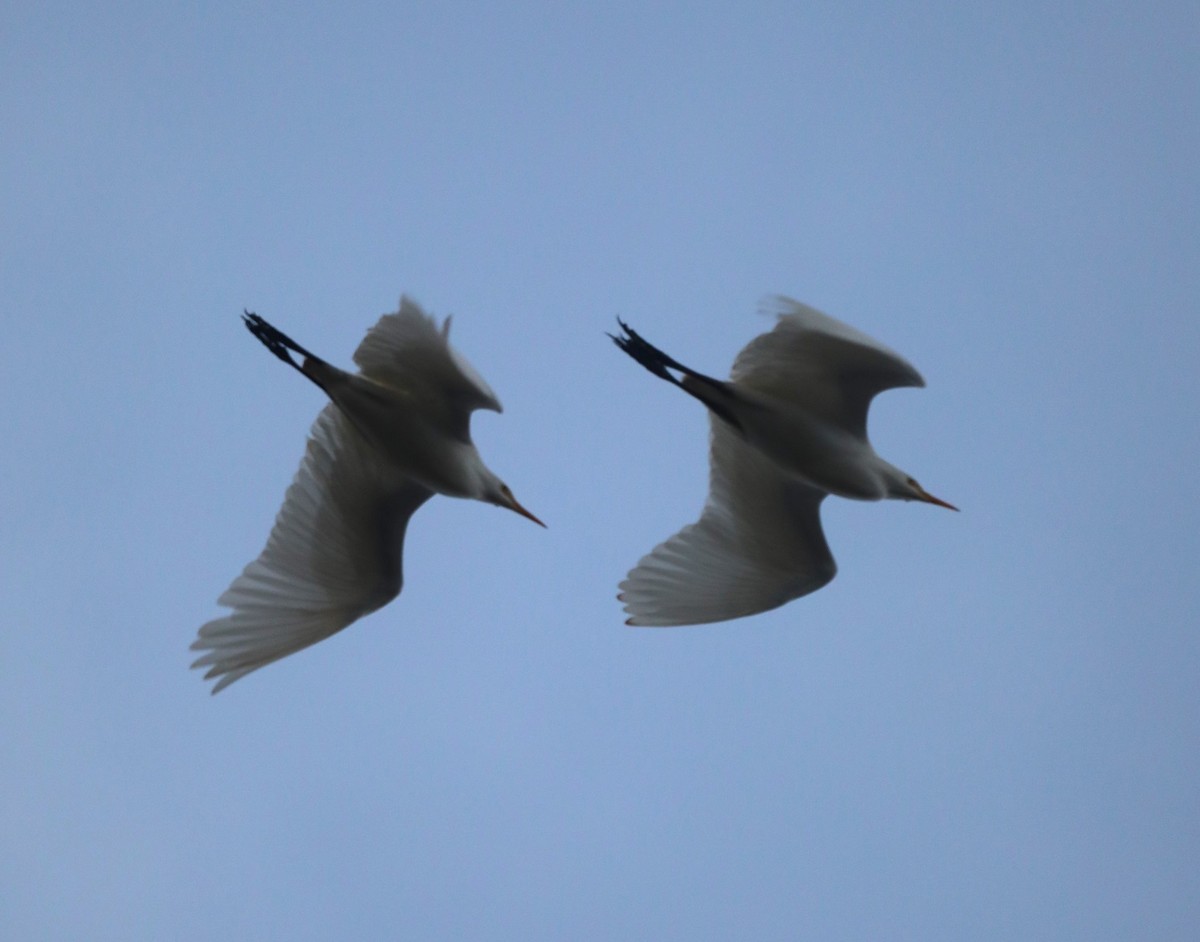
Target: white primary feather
[
  {"x": 334, "y": 555},
  {"x": 757, "y": 545}
]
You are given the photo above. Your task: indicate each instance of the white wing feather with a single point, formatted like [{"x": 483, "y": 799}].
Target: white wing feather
[
  {"x": 408, "y": 351},
  {"x": 831, "y": 368},
  {"x": 334, "y": 555},
  {"x": 757, "y": 545}
]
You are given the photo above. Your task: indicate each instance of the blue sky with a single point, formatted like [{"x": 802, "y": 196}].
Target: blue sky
[{"x": 986, "y": 727}]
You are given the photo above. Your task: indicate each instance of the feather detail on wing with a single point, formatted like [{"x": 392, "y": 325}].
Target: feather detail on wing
[
  {"x": 334, "y": 555},
  {"x": 839, "y": 369},
  {"x": 408, "y": 351},
  {"x": 757, "y": 545}
]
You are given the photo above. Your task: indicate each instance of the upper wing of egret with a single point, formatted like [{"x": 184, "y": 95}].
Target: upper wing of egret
[
  {"x": 757, "y": 545},
  {"x": 834, "y": 369},
  {"x": 408, "y": 351},
  {"x": 334, "y": 555}
]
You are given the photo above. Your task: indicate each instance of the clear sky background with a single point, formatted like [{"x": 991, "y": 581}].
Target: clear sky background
[{"x": 986, "y": 727}]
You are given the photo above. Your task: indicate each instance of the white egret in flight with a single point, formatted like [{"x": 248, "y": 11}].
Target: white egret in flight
[
  {"x": 395, "y": 433},
  {"x": 788, "y": 428}
]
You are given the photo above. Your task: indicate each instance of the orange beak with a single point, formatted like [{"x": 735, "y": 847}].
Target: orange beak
[
  {"x": 930, "y": 499},
  {"x": 525, "y": 513}
]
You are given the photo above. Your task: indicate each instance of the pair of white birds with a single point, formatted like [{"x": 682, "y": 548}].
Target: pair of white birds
[{"x": 788, "y": 428}]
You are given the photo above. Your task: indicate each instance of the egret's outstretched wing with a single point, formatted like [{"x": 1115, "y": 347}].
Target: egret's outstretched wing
[
  {"x": 757, "y": 545},
  {"x": 334, "y": 554},
  {"x": 408, "y": 351},
  {"x": 832, "y": 368}
]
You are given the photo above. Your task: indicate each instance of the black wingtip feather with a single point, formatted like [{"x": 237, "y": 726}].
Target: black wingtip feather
[
  {"x": 647, "y": 354},
  {"x": 276, "y": 340},
  {"x": 714, "y": 393}
]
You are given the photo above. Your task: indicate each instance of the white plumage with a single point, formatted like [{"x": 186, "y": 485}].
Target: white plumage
[
  {"x": 395, "y": 434},
  {"x": 788, "y": 428}
]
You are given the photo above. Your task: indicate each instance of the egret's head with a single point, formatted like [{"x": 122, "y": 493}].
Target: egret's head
[{"x": 906, "y": 488}]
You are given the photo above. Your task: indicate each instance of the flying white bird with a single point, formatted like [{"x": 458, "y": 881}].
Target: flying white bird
[
  {"x": 395, "y": 434},
  {"x": 788, "y": 428}
]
